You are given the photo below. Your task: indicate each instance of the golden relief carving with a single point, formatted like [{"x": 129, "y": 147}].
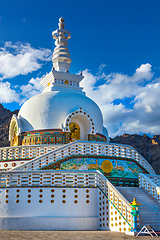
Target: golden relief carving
[{"x": 75, "y": 131}]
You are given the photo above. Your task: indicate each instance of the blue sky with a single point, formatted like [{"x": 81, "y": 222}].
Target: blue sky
[{"x": 116, "y": 43}]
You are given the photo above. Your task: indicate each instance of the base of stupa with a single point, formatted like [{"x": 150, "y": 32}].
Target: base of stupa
[{"x": 49, "y": 223}]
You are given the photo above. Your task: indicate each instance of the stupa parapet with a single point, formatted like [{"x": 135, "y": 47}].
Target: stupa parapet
[{"x": 62, "y": 80}]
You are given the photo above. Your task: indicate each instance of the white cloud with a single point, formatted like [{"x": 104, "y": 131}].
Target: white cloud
[
  {"x": 16, "y": 59},
  {"x": 101, "y": 67},
  {"x": 33, "y": 88},
  {"x": 141, "y": 115},
  {"x": 144, "y": 72},
  {"x": 21, "y": 93},
  {"x": 116, "y": 85},
  {"x": 7, "y": 94}
]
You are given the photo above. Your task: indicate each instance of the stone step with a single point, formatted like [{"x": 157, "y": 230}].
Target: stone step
[
  {"x": 151, "y": 220},
  {"x": 149, "y": 213},
  {"x": 150, "y": 223},
  {"x": 153, "y": 224},
  {"x": 149, "y": 209},
  {"x": 150, "y": 206},
  {"x": 145, "y": 213}
]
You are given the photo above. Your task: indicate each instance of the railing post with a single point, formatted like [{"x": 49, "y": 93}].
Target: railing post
[{"x": 135, "y": 212}]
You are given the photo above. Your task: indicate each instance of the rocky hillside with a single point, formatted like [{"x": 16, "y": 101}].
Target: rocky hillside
[
  {"x": 148, "y": 147},
  {"x": 5, "y": 117}
]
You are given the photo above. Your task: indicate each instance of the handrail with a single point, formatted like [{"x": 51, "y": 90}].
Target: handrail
[
  {"x": 84, "y": 148},
  {"x": 149, "y": 183},
  {"x": 154, "y": 178},
  {"x": 117, "y": 209},
  {"x": 117, "y": 199},
  {"x": 114, "y": 188},
  {"x": 23, "y": 152}
]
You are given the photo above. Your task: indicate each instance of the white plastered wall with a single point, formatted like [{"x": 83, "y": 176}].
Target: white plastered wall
[{"x": 70, "y": 210}]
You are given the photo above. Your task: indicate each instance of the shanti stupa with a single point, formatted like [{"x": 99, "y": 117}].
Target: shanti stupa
[{"x": 61, "y": 173}]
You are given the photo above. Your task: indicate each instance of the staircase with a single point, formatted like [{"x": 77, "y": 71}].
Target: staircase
[{"x": 149, "y": 209}]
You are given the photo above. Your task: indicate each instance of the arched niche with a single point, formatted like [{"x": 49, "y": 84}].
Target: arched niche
[
  {"x": 84, "y": 121},
  {"x": 13, "y": 131}
]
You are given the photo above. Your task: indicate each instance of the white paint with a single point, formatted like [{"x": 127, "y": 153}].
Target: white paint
[
  {"x": 47, "y": 215},
  {"x": 61, "y": 57},
  {"x": 49, "y": 109},
  {"x": 50, "y": 223},
  {"x": 56, "y": 79},
  {"x": 11, "y": 164}
]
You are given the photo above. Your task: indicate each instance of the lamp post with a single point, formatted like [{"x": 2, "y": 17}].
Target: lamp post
[{"x": 135, "y": 212}]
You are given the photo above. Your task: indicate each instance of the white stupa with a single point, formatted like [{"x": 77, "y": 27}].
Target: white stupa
[
  {"x": 59, "y": 171},
  {"x": 62, "y": 102}
]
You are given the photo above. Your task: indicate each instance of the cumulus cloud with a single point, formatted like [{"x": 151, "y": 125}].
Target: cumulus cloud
[
  {"x": 7, "y": 94},
  {"x": 19, "y": 94},
  {"x": 31, "y": 89},
  {"x": 19, "y": 58},
  {"x": 128, "y": 103}
]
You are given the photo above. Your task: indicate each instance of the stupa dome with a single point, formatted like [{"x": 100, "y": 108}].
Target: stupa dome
[{"x": 50, "y": 110}]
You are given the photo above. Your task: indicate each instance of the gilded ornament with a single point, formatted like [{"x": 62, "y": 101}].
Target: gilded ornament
[
  {"x": 107, "y": 166},
  {"x": 66, "y": 82}
]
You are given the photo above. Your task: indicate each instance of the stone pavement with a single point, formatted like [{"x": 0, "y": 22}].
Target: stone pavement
[{"x": 67, "y": 235}]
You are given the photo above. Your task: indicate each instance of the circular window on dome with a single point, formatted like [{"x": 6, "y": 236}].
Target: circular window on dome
[{"x": 75, "y": 131}]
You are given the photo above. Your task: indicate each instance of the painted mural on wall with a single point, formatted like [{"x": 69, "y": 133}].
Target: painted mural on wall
[{"x": 115, "y": 168}]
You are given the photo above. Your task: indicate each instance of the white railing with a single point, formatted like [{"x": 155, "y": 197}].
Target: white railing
[
  {"x": 116, "y": 198},
  {"x": 25, "y": 152},
  {"x": 151, "y": 183},
  {"x": 53, "y": 178},
  {"x": 86, "y": 148}
]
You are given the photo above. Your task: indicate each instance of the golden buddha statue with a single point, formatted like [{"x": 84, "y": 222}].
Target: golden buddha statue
[{"x": 75, "y": 131}]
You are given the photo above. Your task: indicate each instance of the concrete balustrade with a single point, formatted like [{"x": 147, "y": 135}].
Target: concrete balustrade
[
  {"x": 15, "y": 156},
  {"x": 84, "y": 148},
  {"x": 151, "y": 183}
]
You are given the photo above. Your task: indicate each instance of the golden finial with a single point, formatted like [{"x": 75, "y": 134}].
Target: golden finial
[{"x": 135, "y": 203}]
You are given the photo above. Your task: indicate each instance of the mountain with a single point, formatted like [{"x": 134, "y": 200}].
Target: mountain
[
  {"x": 148, "y": 147},
  {"x": 5, "y": 118}
]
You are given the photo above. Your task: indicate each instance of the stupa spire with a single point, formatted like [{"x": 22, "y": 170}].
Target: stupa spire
[{"x": 61, "y": 57}]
